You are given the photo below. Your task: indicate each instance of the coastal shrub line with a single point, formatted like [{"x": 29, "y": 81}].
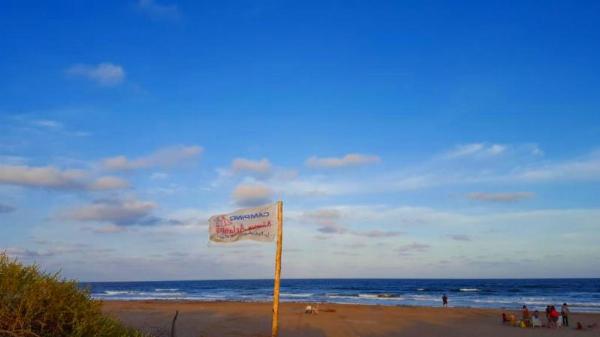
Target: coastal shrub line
[{"x": 38, "y": 304}]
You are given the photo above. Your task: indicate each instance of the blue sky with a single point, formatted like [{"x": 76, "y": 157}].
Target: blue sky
[{"x": 407, "y": 139}]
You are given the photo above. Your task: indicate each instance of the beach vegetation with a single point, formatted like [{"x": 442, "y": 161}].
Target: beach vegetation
[{"x": 34, "y": 303}]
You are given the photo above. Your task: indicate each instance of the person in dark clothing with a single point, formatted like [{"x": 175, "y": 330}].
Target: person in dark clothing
[{"x": 445, "y": 301}]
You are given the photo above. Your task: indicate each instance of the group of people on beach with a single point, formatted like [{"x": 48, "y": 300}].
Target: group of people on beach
[
  {"x": 552, "y": 316},
  {"x": 554, "y": 319}
]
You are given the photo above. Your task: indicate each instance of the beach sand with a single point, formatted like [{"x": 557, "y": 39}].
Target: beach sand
[{"x": 222, "y": 319}]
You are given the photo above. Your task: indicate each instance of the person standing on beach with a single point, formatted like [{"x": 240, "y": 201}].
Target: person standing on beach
[
  {"x": 553, "y": 317},
  {"x": 445, "y": 301},
  {"x": 526, "y": 316},
  {"x": 564, "y": 311}
]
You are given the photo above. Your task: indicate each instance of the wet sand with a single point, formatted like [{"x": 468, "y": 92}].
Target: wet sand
[{"x": 222, "y": 319}]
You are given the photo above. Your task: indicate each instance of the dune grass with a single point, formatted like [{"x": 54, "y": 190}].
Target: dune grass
[{"x": 38, "y": 304}]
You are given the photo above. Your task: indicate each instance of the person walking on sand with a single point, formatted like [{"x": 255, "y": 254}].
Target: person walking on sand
[
  {"x": 564, "y": 311},
  {"x": 445, "y": 301}
]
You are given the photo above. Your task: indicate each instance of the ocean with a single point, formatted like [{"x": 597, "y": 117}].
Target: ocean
[{"x": 582, "y": 295}]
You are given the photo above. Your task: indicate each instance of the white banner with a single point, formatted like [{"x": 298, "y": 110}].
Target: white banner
[{"x": 258, "y": 224}]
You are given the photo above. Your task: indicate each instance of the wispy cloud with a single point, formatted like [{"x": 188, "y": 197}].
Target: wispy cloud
[
  {"x": 54, "y": 178},
  {"x": 6, "y": 208},
  {"x": 329, "y": 220},
  {"x": 500, "y": 197},
  {"x": 159, "y": 176},
  {"x": 476, "y": 149},
  {"x": 352, "y": 159},
  {"x": 242, "y": 165},
  {"x": 53, "y": 248},
  {"x": 411, "y": 248},
  {"x": 322, "y": 216},
  {"x": 520, "y": 164},
  {"x": 378, "y": 233},
  {"x": 26, "y": 254},
  {"x": 249, "y": 195},
  {"x": 32, "y": 123},
  {"x": 104, "y": 74},
  {"x": 109, "y": 183},
  {"x": 47, "y": 123},
  {"x": 109, "y": 229},
  {"x": 12, "y": 160},
  {"x": 158, "y": 11},
  {"x": 459, "y": 237},
  {"x": 166, "y": 157},
  {"x": 587, "y": 168},
  {"x": 118, "y": 212}
]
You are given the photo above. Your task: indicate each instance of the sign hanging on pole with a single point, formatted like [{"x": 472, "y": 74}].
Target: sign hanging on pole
[
  {"x": 263, "y": 223},
  {"x": 258, "y": 224}
]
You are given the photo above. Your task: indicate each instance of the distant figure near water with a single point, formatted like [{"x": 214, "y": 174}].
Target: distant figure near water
[
  {"x": 565, "y": 314},
  {"x": 445, "y": 301}
]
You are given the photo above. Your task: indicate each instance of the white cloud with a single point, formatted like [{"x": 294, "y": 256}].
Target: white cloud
[
  {"x": 352, "y": 159},
  {"x": 158, "y": 11},
  {"x": 104, "y": 74},
  {"x": 241, "y": 165},
  {"x": 248, "y": 195},
  {"x": 166, "y": 157},
  {"x": 500, "y": 197}
]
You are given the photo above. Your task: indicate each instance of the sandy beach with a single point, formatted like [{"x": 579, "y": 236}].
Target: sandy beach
[{"x": 221, "y": 319}]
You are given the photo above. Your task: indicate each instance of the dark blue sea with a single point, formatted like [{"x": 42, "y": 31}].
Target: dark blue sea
[{"x": 583, "y": 295}]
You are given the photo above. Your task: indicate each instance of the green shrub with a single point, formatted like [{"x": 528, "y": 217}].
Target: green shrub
[{"x": 37, "y": 304}]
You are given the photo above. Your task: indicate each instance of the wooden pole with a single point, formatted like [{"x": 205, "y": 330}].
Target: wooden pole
[{"x": 275, "y": 327}]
